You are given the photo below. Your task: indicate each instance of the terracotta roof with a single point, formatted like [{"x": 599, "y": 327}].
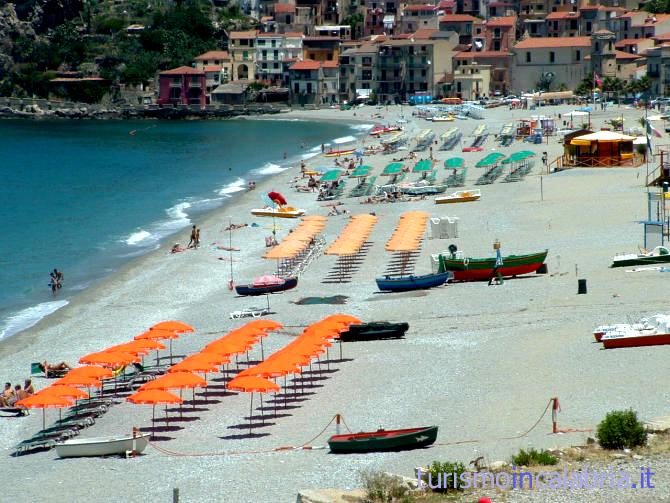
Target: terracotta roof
[
  {"x": 305, "y": 64},
  {"x": 293, "y": 34},
  {"x": 662, "y": 37},
  {"x": 329, "y": 64},
  {"x": 284, "y": 8},
  {"x": 183, "y": 70},
  {"x": 562, "y": 15},
  {"x": 213, "y": 68},
  {"x": 631, "y": 41},
  {"x": 270, "y": 35},
  {"x": 266, "y": 19},
  {"x": 213, "y": 55},
  {"x": 420, "y": 8},
  {"x": 482, "y": 54},
  {"x": 237, "y": 35},
  {"x": 626, "y": 55},
  {"x": 424, "y": 33},
  {"x": 549, "y": 42},
  {"x": 503, "y": 21},
  {"x": 603, "y": 32},
  {"x": 457, "y": 18},
  {"x": 445, "y": 4},
  {"x": 317, "y": 39},
  {"x": 656, "y": 18}
]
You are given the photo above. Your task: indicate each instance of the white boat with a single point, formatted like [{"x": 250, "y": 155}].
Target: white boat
[
  {"x": 282, "y": 212},
  {"x": 103, "y": 446},
  {"x": 419, "y": 189},
  {"x": 424, "y": 138},
  {"x": 654, "y": 331},
  {"x": 443, "y": 118},
  {"x": 462, "y": 196}
]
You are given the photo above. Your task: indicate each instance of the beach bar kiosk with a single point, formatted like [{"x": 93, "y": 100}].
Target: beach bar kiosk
[{"x": 600, "y": 149}]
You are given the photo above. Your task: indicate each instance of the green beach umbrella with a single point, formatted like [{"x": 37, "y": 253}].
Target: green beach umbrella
[
  {"x": 490, "y": 160},
  {"x": 331, "y": 176},
  {"x": 423, "y": 166},
  {"x": 454, "y": 163},
  {"x": 395, "y": 168}
]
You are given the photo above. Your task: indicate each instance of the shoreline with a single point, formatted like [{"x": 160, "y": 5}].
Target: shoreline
[{"x": 264, "y": 182}]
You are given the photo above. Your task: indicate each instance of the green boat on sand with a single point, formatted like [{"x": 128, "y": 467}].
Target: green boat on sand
[{"x": 383, "y": 440}]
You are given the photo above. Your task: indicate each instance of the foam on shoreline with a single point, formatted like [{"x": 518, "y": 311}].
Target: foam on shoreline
[{"x": 29, "y": 317}]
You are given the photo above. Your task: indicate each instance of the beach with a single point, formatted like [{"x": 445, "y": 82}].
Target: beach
[{"x": 479, "y": 361}]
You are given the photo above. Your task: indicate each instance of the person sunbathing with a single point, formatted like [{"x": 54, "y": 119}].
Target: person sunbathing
[
  {"x": 177, "y": 248},
  {"x": 55, "y": 368}
]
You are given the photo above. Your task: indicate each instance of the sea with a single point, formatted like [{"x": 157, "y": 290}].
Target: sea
[{"x": 86, "y": 197}]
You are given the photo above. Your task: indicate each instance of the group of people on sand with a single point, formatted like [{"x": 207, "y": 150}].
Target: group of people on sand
[
  {"x": 11, "y": 395},
  {"x": 56, "y": 282},
  {"x": 193, "y": 243}
]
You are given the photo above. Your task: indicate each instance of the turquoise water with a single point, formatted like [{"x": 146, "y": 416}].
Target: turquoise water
[{"x": 85, "y": 197}]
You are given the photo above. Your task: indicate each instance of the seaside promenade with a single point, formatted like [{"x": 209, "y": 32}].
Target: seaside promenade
[{"x": 479, "y": 361}]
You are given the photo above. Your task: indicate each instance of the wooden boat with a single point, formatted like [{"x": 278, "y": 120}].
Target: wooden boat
[
  {"x": 462, "y": 196},
  {"x": 482, "y": 269},
  {"x": 654, "y": 331},
  {"x": 102, "y": 446},
  {"x": 383, "y": 440},
  {"x": 378, "y": 131},
  {"x": 282, "y": 212},
  {"x": 406, "y": 283},
  {"x": 658, "y": 255},
  {"x": 252, "y": 289},
  {"x": 338, "y": 153},
  {"x": 373, "y": 331}
]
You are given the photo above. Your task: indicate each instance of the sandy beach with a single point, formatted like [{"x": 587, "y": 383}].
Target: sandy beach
[{"x": 479, "y": 361}]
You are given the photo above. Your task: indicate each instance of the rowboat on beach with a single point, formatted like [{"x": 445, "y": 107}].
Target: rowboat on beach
[
  {"x": 654, "y": 331},
  {"x": 103, "y": 446},
  {"x": 281, "y": 212},
  {"x": 658, "y": 255},
  {"x": 339, "y": 153},
  {"x": 483, "y": 269},
  {"x": 262, "y": 288},
  {"x": 406, "y": 283},
  {"x": 461, "y": 196},
  {"x": 380, "y": 130},
  {"x": 383, "y": 440},
  {"x": 373, "y": 331}
]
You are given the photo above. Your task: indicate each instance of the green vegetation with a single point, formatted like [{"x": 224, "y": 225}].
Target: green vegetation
[
  {"x": 533, "y": 457},
  {"x": 382, "y": 487},
  {"x": 91, "y": 38},
  {"x": 621, "y": 430},
  {"x": 438, "y": 471}
]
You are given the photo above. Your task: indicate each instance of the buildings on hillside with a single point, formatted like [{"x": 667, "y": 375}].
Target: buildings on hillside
[{"x": 323, "y": 51}]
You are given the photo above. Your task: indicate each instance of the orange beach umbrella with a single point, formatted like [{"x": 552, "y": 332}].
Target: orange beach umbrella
[
  {"x": 91, "y": 371},
  {"x": 174, "y": 326},
  {"x": 194, "y": 363},
  {"x": 253, "y": 384},
  {"x": 71, "y": 379},
  {"x": 175, "y": 380},
  {"x": 155, "y": 397},
  {"x": 44, "y": 401},
  {"x": 65, "y": 391},
  {"x": 109, "y": 358}
]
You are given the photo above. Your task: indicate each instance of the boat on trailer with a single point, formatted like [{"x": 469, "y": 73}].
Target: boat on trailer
[
  {"x": 658, "y": 255},
  {"x": 103, "y": 446},
  {"x": 407, "y": 283},
  {"x": 383, "y": 440},
  {"x": 483, "y": 269}
]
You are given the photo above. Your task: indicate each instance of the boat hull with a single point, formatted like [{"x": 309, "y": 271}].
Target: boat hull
[
  {"x": 635, "y": 341},
  {"x": 406, "y": 283},
  {"x": 251, "y": 290},
  {"x": 450, "y": 200},
  {"x": 278, "y": 214},
  {"x": 662, "y": 259},
  {"x": 338, "y": 153},
  {"x": 483, "y": 269},
  {"x": 103, "y": 446},
  {"x": 374, "y": 331},
  {"x": 383, "y": 440}
]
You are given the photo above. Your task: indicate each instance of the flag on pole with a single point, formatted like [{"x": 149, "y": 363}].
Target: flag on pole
[
  {"x": 597, "y": 80},
  {"x": 652, "y": 130}
]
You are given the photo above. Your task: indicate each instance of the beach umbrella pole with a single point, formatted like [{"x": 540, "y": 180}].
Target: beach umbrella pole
[{"x": 251, "y": 409}]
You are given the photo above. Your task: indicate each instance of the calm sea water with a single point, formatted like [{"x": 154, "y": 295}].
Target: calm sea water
[{"x": 85, "y": 197}]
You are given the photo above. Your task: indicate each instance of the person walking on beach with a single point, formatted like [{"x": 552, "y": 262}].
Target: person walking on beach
[
  {"x": 323, "y": 148},
  {"x": 197, "y": 237},
  {"x": 191, "y": 243}
]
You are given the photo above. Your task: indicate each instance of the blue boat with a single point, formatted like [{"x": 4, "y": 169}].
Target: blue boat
[{"x": 405, "y": 283}]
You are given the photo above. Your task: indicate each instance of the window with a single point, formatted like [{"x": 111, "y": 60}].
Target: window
[
  {"x": 264, "y": 54},
  {"x": 275, "y": 66},
  {"x": 309, "y": 87},
  {"x": 552, "y": 57},
  {"x": 245, "y": 54},
  {"x": 578, "y": 55},
  {"x": 527, "y": 57},
  {"x": 588, "y": 27}
]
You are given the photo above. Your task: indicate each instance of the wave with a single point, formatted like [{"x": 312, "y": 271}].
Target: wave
[
  {"x": 178, "y": 212},
  {"x": 270, "y": 169},
  {"x": 309, "y": 155},
  {"x": 344, "y": 139},
  {"x": 30, "y": 316},
  {"x": 236, "y": 186},
  {"x": 137, "y": 237},
  {"x": 361, "y": 127}
]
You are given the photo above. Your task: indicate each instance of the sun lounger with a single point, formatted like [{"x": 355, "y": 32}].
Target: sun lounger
[
  {"x": 31, "y": 445},
  {"x": 17, "y": 411},
  {"x": 36, "y": 368},
  {"x": 251, "y": 312}
]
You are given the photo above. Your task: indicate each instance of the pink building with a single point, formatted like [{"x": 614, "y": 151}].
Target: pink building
[{"x": 182, "y": 86}]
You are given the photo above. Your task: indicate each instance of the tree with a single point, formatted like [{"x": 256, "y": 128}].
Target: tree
[
  {"x": 354, "y": 20},
  {"x": 544, "y": 84}
]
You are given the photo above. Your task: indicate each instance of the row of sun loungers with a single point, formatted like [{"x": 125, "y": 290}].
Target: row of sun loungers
[
  {"x": 456, "y": 179},
  {"x": 365, "y": 188}
]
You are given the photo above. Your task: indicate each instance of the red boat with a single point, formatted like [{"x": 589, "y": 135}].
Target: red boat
[
  {"x": 654, "y": 331},
  {"x": 472, "y": 149},
  {"x": 483, "y": 269}
]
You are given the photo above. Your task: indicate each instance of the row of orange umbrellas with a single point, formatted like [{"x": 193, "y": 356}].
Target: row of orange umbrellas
[
  {"x": 99, "y": 366},
  {"x": 183, "y": 374},
  {"x": 409, "y": 232},
  {"x": 353, "y": 236},
  {"x": 291, "y": 358},
  {"x": 298, "y": 240}
]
